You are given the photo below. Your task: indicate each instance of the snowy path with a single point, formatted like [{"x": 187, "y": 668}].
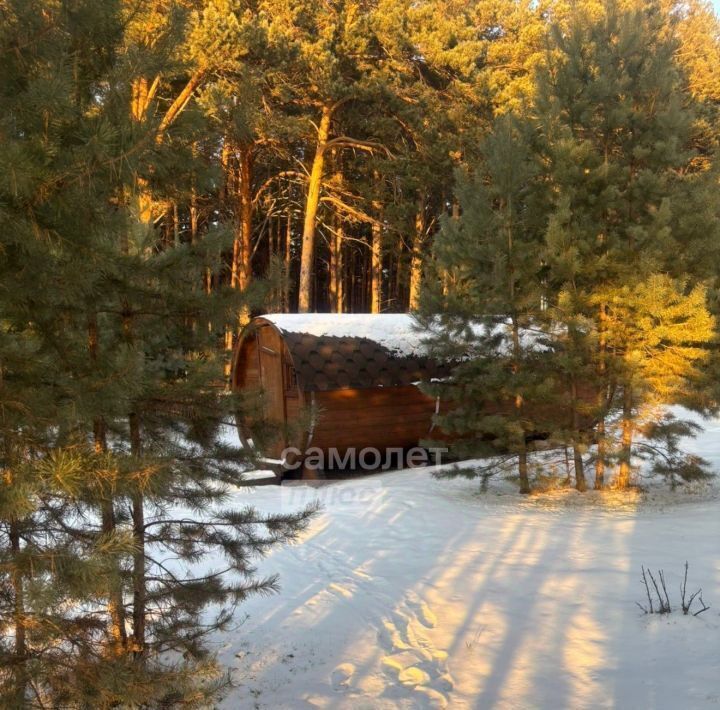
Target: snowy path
[{"x": 410, "y": 592}]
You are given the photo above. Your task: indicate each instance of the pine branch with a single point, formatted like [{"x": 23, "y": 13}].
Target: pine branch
[
  {"x": 367, "y": 146},
  {"x": 180, "y": 102},
  {"x": 352, "y": 211}
]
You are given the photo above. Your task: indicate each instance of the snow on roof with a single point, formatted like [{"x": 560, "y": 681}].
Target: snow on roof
[
  {"x": 396, "y": 332},
  {"x": 360, "y": 350}
]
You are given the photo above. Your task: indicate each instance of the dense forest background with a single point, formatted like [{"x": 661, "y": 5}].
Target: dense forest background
[
  {"x": 326, "y": 136},
  {"x": 170, "y": 167}
]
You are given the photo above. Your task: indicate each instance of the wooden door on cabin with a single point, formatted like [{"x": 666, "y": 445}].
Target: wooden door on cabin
[{"x": 270, "y": 348}]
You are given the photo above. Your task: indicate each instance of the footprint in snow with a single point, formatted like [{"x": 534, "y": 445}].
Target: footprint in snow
[
  {"x": 412, "y": 676},
  {"x": 424, "y": 612},
  {"x": 341, "y": 676},
  {"x": 413, "y": 661},
  {"x": 433, "y": 700}
]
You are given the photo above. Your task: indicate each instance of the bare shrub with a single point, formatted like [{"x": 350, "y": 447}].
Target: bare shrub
[
  {"x": 658, "y": 598},
  {"x": 687, "y": 602}
]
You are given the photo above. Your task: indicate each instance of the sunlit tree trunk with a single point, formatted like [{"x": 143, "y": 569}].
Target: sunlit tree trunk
[
  {"x": 241, "y": 267},
  {"x": 241, "y": 271},
  {"x": 142, "y": 93},
  {"x": 445, "y": 276},
  {"x": 623, "y": 477},
  {"x": 307, "y": 251},
  {"x": 194, "y": 216},
  {"x": 416, "y": 257},
  {"x": 376, "y": 253},
  {"x": 376, "y": 269}
]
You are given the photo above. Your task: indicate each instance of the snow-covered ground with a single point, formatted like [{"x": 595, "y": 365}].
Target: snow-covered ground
[{"x": 412, "y": 592}]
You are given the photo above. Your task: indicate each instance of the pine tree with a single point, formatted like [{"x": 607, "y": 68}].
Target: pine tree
[
  {"x": 108, "y": 388},
  {"x": 489, "y": 295},
  {"x": 617, "y": 135},
  {"x": 660, "y": 331}
]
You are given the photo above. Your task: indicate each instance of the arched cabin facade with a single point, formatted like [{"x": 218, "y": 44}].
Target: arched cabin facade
[{"x": 336, "y": 380}]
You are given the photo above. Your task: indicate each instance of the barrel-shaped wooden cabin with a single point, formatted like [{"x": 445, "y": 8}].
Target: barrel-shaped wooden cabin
[{"x": 336, "y": 381}]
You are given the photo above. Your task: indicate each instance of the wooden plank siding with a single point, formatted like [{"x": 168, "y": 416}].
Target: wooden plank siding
[
  {"x": 260, "y": 361},
  {"x": 246, "y": 364},
  {"x": 379, "y": 417},
  {"x": 271, "y": 348}
]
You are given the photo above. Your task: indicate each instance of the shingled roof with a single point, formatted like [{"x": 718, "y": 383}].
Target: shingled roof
[{"x": 355, "y": 351}]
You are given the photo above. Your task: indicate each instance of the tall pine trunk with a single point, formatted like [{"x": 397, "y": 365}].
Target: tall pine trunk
[
  {"x": 336, "y": 247},
  {"x": 601, "y": 455},
  {"x": 115, "y": 605},
  {"x": 19, "y": 622},
  {"x": 518, "y": 402},
  {"x": 307, "y": 251},
  {"x": 137, "y": 498},
  {"x": 523, "y": 468},
  {"x": 580, "y": 482},
  {"x": 624, "y": 470},
  {"x": 287, "y": 262},
  {"x": 336, "y": 266},
  {"x": 416, "y": 256},
  {"x": 376, "y": 269},
  {"x": 602, "y": 403},
  {"x": 516, "y": 347},
  {"x": 376, "y": 253},
  {"x": 139, "y": 561},
  {"x": 241, "y": 271},
  {"x": 353, "y": 281},
  {"x": 141, "y": 94},
  {"x": 20, "y": 678},
  {"x": 240, "y": 268}
]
